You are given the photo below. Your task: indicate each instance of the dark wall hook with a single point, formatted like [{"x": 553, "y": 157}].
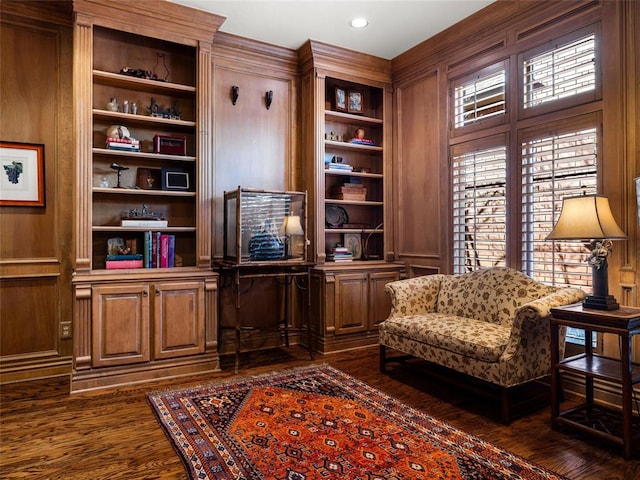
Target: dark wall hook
[
  {"x": 268, "y": 98},
  {"x": 235, "y": 93}
]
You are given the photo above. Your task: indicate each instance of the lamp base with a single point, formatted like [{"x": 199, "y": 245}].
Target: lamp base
[{"x": 606, "y": 302}]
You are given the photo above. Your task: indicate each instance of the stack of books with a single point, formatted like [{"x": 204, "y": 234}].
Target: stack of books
[
  {"x": 340, "y": 254},
  {"x": 130, "y": 260},
  {"x": 124, "y": 144},
  {"x": 362, "y": 141},
  {"x": 345, "y": 167},
  {"x": 351, "y": 191},
  {"x": 159, "y": 250}
]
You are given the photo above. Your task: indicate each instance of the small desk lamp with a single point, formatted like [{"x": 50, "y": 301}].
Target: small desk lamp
[
  {"x": 290, "y": 226},
  {"x": 589, "y": 218}
]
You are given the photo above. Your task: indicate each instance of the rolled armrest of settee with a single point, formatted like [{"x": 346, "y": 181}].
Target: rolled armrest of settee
[
  {"x": 530, "y": 323},
  {"x": 543, "y": 306},
  {"x": 414, "y": 296}
]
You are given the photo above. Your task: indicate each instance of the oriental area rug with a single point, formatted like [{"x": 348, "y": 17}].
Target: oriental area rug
[{"x": 320, "y": 423}]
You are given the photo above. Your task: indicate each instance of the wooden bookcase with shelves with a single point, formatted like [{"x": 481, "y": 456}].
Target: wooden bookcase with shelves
[
  {"x": 177, "y": 63},
  {"x": 361, "y": 214},
  {"x": 134, "y": 324},
  {"x": 349, "y": 206}
]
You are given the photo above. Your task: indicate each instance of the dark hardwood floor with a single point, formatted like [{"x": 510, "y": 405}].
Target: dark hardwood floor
[{"x": 113, "y": 434}]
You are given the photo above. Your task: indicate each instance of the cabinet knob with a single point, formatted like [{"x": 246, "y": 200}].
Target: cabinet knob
[{"x": 145, "y": 293}]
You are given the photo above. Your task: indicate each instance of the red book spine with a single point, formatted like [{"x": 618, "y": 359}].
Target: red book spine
[
  {"x": 154, "y": 250},
  {"x": 119, "y": 264},
  {"x": 164, "y": 251}
]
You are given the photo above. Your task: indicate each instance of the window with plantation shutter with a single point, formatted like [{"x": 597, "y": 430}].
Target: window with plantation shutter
[
  {"x": 553, "y": 167},
  {"x": 507, "y": 193},
  {"x": 479, "y": 208},
  {"x": 567, "y": 70},
  {"x": 480, "y": 97}
]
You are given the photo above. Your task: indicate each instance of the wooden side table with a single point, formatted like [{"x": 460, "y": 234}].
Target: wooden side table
[
  {"x": 592, "y": 418},
  {"x": 286, "y": 271}
]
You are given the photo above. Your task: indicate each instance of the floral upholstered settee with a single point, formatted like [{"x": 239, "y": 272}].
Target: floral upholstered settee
[{"x": 491, "y": 324}]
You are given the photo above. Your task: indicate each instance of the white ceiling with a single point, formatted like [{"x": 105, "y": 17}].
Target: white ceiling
[{"x": 394, "y": 26}]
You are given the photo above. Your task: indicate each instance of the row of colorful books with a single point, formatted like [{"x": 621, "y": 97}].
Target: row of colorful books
[{"x": 158, "y": 252}]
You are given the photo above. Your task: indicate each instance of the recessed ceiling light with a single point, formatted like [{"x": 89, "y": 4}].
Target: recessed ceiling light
[{"x": 359, "y": 22}]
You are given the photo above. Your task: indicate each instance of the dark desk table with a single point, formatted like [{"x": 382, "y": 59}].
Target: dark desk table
[
  {"x": 591, "y": 418},
  {"x": 290, "y": 273}
]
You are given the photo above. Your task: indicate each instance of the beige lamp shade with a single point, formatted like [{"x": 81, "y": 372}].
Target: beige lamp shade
[
  {"x": 292, "y": 225},
  {"x": 586, "y": 217}
]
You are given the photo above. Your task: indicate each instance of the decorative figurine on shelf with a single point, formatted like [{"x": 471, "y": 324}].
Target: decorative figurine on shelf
[
  {"x": 156, "y": 110},
  {"x": 143, "y": 213},
  {"x": 119, "y": 169},
  {"x": 112, "y": 105},
  {"x": 164, "y": 64},
  {"x": 358, "y": 138}
]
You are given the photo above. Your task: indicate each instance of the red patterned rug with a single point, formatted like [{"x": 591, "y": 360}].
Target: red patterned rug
[{"x": 320, "y": 423}]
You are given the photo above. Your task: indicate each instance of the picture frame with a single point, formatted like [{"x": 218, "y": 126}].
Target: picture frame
[
  {"x": 174, "y": 179},
  {"x": 355, "y": 102},
  {"x": 341, "y": 100},
  {"x": 22, "y": 174},
  {"x": 353, "y": 243}
]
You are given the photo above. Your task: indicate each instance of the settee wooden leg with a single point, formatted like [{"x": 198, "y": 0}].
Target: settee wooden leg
[
  {"x": 383, "y": 358},
  {"x": 505, "y": 400}
]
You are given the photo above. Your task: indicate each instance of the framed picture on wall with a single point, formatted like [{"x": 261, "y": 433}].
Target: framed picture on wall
[
  {"x": 341, "y": 100},
  {"x": 355, "y": 102},
  {"x": 21, "y": 174}
]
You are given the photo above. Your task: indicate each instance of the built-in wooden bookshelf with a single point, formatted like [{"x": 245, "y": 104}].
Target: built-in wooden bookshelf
[
  {"x": 136, "y": 323},
  {"x": 352, "y": 205}
]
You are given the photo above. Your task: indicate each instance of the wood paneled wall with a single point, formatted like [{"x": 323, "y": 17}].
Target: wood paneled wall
[
  {"x": 253, "y": 148},
  {"x": 36, "y": 242}
]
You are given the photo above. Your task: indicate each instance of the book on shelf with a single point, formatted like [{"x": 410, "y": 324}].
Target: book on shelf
[
  {"x": 339, "y": 166},
  {"x": 121, "y": 264},
  {"x": 144, "y": 223},
  {"x": 362, "y": 141},
  {"x": 339, "y": 258},
  {"x": 123, "y": 141},
  {"x": 123, "y": 149},
  {"x": 128, "y": 256}
]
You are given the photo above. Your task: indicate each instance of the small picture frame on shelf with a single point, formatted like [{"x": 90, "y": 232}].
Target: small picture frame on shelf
[
  {"x": 341, "y": 100},
  {"x": 174, "y": 179},
  {"x": 353, "y": 242},
  {"x": 355, "y": 102},
  {"x": 148, "y": 178}
]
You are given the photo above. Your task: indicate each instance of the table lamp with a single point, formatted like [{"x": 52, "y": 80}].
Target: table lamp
[
  {"x": 589, "y": 218},
  {"x": 290, "y": 226}
]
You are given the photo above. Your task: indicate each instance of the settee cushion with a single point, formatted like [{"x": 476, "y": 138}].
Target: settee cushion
[
  {"x": 489, "y": 295},
  {"x": 465, "y": 336}
]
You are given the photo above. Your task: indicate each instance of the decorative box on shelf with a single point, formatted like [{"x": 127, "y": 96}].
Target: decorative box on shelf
[
  {"x": 264, "y": 226},
  {"x": 350, "y": 191}
]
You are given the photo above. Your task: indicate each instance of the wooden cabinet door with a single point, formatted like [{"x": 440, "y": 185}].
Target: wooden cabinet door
[
  {"x": 120, "y": 324},
  {"x": 351, "y": 296},
  {"x": 379, "y": 301},
  {"x": 178, "y": 318}
]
